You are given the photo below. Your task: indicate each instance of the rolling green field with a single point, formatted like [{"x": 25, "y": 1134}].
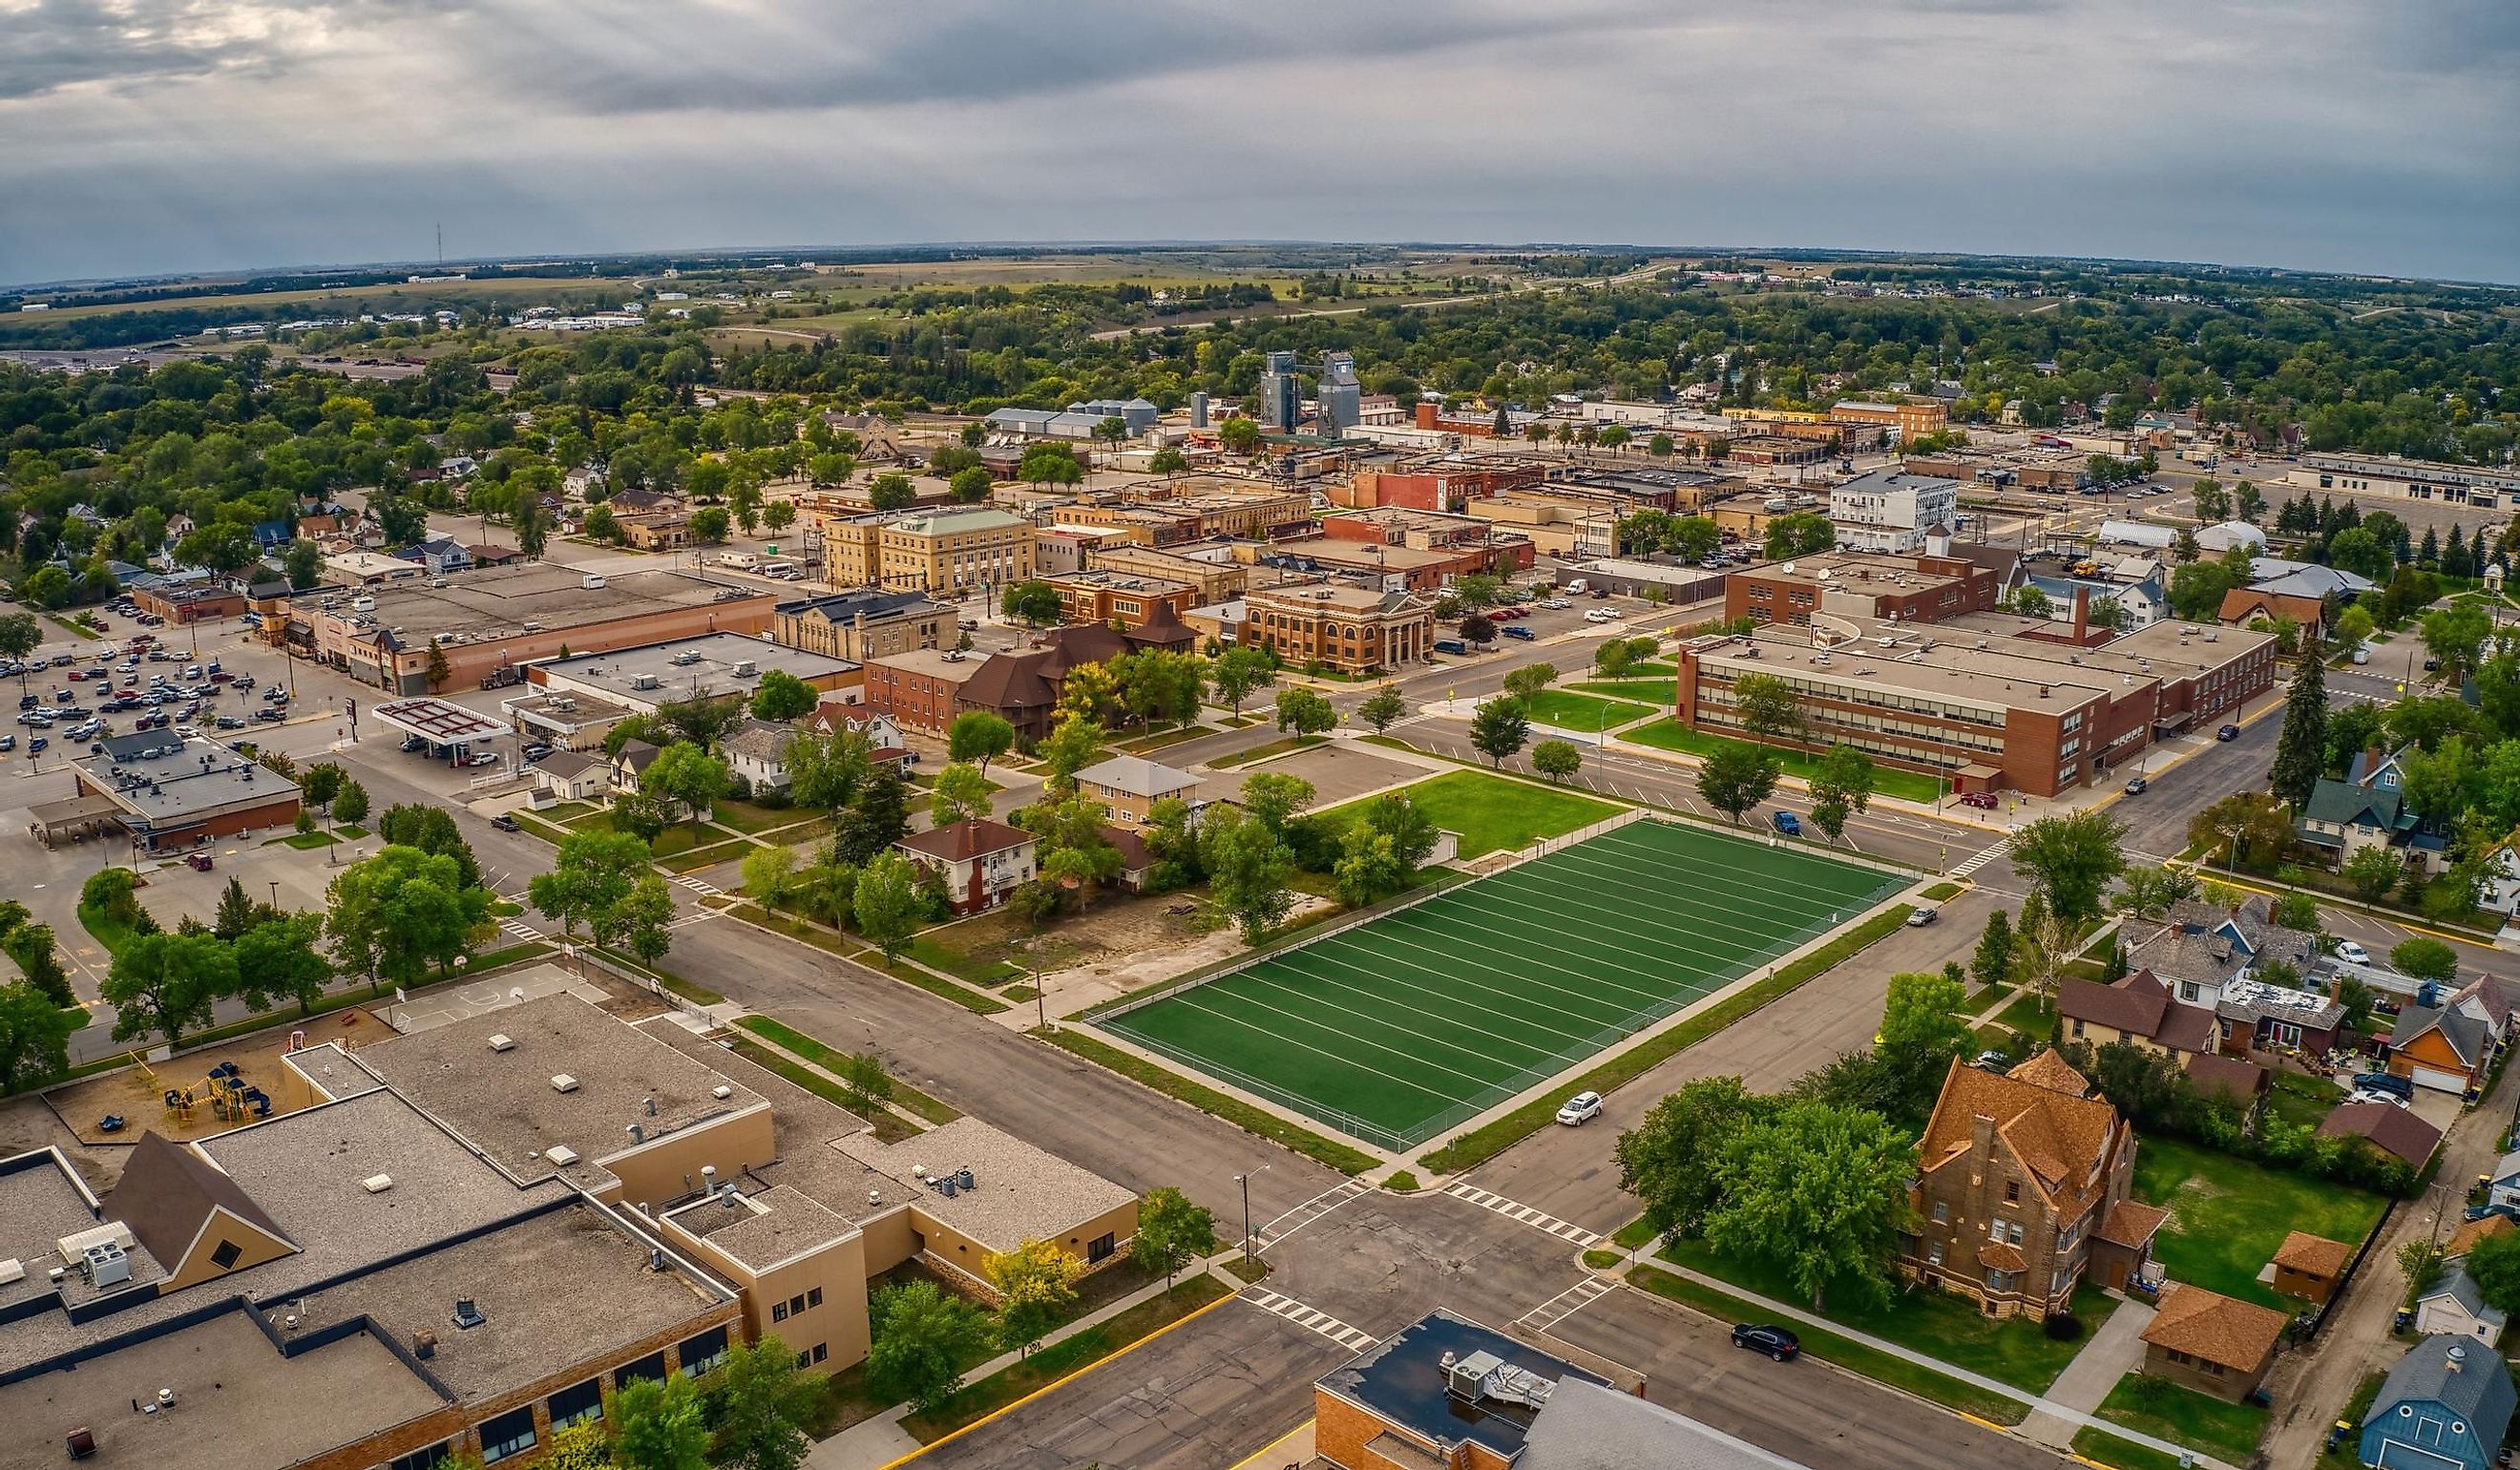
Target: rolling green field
[{"x": 1405, "y": 1026}]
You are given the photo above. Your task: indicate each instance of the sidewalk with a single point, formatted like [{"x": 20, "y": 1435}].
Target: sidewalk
[
  {"x": 2113, "y": 1352},
  {"x": 873, "y": 1443},
  {"x": 2070, "y": 1418}
]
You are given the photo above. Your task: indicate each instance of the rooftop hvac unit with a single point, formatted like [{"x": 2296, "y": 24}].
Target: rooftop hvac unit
[
  {"x": 561, "y": 1155},
  {"x": 721, "y": 1092},
  {"x": 745, "y": 668},
  {"x": 106, "y": 1265},
  {"x": 376, "y": 1183},
  {"x": 561, "y": 1081},
  {"x": 502, "y": 1042},
  {"x": 643, "y": 681}
]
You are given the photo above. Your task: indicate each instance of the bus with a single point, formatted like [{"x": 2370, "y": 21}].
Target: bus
[{"x": 782, "y": 571}]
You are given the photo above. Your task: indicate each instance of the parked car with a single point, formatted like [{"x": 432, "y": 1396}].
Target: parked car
[
  {"x": 229, "y": 721},
  {"x": 36, "y": 743},
  {"x": 2351, "y": 953},
  {"x": 1556, "y": 604},
  {"x": 1779, "y": 1343},
  {"x": 1580, "y": 1109},
  {"x": 1517, "y": 630},
  {"x": 535, "y": 751},
  {"x": 1599, "y": 615},
  {"x": 197, "y": 861},
  {"x": 2135, "y": 788},
  {"x": 1786, "y": 824},
  {"x": 266, "y": 716},
  {"x": 2381, "y": 1082},
  {"x": 244, "y": 681},
  {"x": 1984, "y": 801},
  {"x": 8, "y": 743},
  {"x": 481, "y": 758},
  {"x": 2373, "y": 1094},
  {"x": 504, "y": 822},
  {"x": 1922, "y": 914},
  {"x": 2227, "y": 733},
  {"x": 413, "y": 744}
]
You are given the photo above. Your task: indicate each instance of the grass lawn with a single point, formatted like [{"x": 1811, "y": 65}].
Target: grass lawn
[
  {"x": 304, "y": 841},
  {"x": 1263, "y": 752},
  {"x": 695, "y": 858},
  {"x": 1828, "y": 1347},
  {"x": 2303, "y": 1101},
  {"x": 590, "y": 819},
  {"x": 1656, "y": 691},
  {"x": 1158, "y": 741},
  {"x": 2013, "y": 1350},
  {"x": 1671, "y": 735},
  {"x": 1588, "y": 713},
  {"x": 104, "y": 931},
  {"x": 1207, "y": 1099},
  {"x": 746, "y": 816},
  {"x": 2182, "y": 1415},
  {"x": 888, "y": 1128},
  {"x": 1494, "y": 814},
  {"x": 2028, "y": 1014},
  {"x": 935, "y": 950},
  {"x": 2227, "y": 1215},
  {"x": 832, "y": 1058},
  {"x": 2099, "y": 1447},
  {"x": 1414, "y": 1022}
]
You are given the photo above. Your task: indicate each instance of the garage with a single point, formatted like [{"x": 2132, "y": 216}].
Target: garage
[
  {"x": 2439, "y": 1080},
  {"x": 2397, "y": 1454}
]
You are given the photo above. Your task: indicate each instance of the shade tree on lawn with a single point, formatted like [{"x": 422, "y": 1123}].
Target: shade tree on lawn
[
  {"x": 979, "y": 736},
  {"x": 1499, "y": 729},
  {"x": 1735, "y": 778},
  {"x": 2073, "y": 858}
]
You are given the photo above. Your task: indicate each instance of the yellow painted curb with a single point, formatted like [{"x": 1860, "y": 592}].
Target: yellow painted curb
[
  {"x": 995, "y": 1413},
  {"x": 1984, "y": 1423},
  {"x": 1264, "y": 1449}
]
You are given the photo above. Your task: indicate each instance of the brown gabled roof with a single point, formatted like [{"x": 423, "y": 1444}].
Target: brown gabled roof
[
  {"x": 976, "y": 837},
  {"x": 2128, "y": 1006},
  {"x": 2215, "y": 1328},
  {"x": 2132, "y": 1224},
  {"x": 2062, "y": 1140},
  {"x": 1011, "y": 681},
  {"x": 1083, "y": 643},
  {"x": 1997, "y": 1256},
  {"x": 2313, "y": 1254},
  {"x": 2188, "y": 1028},
  {"x": 2393, "y": 1127},
  {"x": 2050, "y": 1070},
  {"x": 167, "y": 1193},
  {"x": 2466, "y": 1237},
  {"x": 1132, "y": 848},
  {"x": 2211, "y": 1072}
]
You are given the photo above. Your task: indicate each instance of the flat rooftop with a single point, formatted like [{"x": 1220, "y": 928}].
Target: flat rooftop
[
  {"x": 495, "y": 602},
  {"x": 41, "y": 1201},
  {"x": 1402, "y": 1381},
  {"x": 1984, "y": 658},
  {"x": 935, "y": 663},
  {"x": 764, "y": 1228},
  {"x": 194, "y": 778},
  {"x": 686, "y": 668},
  {"x": 1018, "y": 1192},
  {"x": 505, "y": 1102},
  {"x": 238, "y": 1405}
]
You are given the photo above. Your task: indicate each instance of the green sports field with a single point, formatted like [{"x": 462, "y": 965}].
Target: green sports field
[{"x": 1408, "y": 1025}]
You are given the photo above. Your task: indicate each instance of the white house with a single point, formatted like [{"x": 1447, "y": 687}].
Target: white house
[
  {"x": 1891, "y": 511},
  {"x": 567, "y": 776},
  {"x": 757, "y": 751},
  {"x": 980, "y": 860},
  {"x": 2455, "y": 1305}
]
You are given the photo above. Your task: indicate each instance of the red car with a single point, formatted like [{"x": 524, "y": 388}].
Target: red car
[{"x": 1982, "y": 800}]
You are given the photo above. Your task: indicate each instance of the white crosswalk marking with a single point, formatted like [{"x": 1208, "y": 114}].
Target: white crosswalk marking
[
  {"x": 1978, "y": 860},
  {"x": 1568, "y": 1303},
  {"x": 702, "y": 886},
  {"x": 1355, "y": 1340},
  {"x": 517, "y": 929},
  {"x": 1309, "y": 1211},
  {"x": 1522, "y": 1214}
]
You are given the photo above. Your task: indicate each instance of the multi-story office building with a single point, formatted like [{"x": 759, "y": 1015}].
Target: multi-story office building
[
  {"x": 862, "y": 624},
  {"x": 952, "y": 550}
]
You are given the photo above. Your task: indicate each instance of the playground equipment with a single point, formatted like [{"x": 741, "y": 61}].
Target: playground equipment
[{"x": 225, "y": 1092}]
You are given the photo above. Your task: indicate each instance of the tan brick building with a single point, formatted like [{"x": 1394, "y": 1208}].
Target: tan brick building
[
  {"x": 951, "y": 549},
  {"x": 864, "y": 624},
  {"x": 2023, "y": 1186}
]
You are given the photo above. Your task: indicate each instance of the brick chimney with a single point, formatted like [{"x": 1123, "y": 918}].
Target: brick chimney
[{"x": 2081, "y": 614}]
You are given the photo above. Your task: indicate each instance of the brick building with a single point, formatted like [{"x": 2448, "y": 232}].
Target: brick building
[
  {"x": 171, "y": 793},
  {"x": 1437, "y": 482},
  {"x": 953, "y": 549},
  {"x": 2023, "y": 1186},
  {"x": 1132, "y": 601},
  {"x": 1350, "y": 629},
  {"x": 863, "y": 624}
]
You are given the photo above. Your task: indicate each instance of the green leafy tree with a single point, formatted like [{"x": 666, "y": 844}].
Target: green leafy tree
[
  {"x": 167, "y": 984},
  {"x": 2148, "y": 892},
  {"x": 760, "y": 1402},
  {"x": 876, "y": 818},
  {"x": 1172, "y": 1231},
  {"x": 709, "y": 524},
  {"x": 1036, "y": 1284},
  {"x": 1305, "y": 712},
  {"x": 1499, "y": 729},
  {"x": 685, "y": 775},
  {"x": 782, "y": 695},
  {"x": 31, "y": 946},
  {"x": 1737, "y": 777},
  {"x": 888, "y": 904},
  {"x": 921, "y": 1337},
  {"x": 660, "y": 1424},
  {"x": 768, "y": 873},
  {"x": 1239, "y": 436},
  {"x": 277, "y": 960},
  {"x": 1818, "y": 1193},
  {"x": 2494, "y": 1263},
  {"x": 2246, "y": 825},
  {"x": 1557, "y": 759},
  {"x": 402, "y": 911},
  {"x": 1381, "y": 708},
  {"x": 2073, "y": 858},
  {"x": 978, "y": 735},
  {"x": 2297, "y": 911},
  {"x": 2372, "y": 872},
  {"x": 2425, "y": 960},
  {"x": 1841, "y": 788},
  {"x": 439, "y": 670},
  {"x": 234, "y": 913},
  {"x": 350, "y": 804},
  {"x": 1168, "y": 462},
  {"x": 961, "y": 793},
  {"x": 970, "y": 486},
  {"x": 891, "y": 491},
  {"x": 1074, "y": 744},
  {"x": 1992, "y": 961},
  {"x": 2455, "y": 636},
  {"x": 869, "y": 1084},
  {"x": 1035, "y": 604},
  {"x": 593, "y": 872},
  {"x": 34, "y": 1035},
  {"x": 320, "y": 782},
  {"x": 586, "y": 1445},
  {"x": 2301, "y": 750},
  {"x": 643, "y": 921},
  {"x": 21, "y": 634},
  {"x": 1668, "y": 1160},
  {"x": 1767, "y": 706},
  {"x": 1240, "y": 673},
  {"x": 1800, "y": 534},
  {"x": 1248, "y": 868},
  {"x": 1530, "y": 680},
  {"x": 1921, "y": 1033}
]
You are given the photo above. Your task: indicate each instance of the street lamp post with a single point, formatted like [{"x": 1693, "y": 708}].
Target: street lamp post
[{"x": 1249, "y": 1255}]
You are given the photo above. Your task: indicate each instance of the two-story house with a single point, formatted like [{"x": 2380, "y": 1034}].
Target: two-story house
[
  {"x": 981, "y": 861},
  {"x": 757, "y": 751},
  {"x": 2023, "y": 1186},
  {"x": 2369, "y": 809},
  {"x": 2245, "y": 968}
]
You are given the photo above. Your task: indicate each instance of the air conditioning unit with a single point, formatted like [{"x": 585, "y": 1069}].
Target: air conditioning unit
[
  {"x": 643, "y": 681},
  {"x": 745, "y": 668},
  {"x": 564, "y": 1083},
  {"x": 561, "y": 1155},
  {"x": 502, "y": 1042}
]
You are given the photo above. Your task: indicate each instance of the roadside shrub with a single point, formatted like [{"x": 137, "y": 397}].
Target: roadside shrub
[
  {"x": 772, "y": 799},
  {"x": 2063, "y": 1326}
]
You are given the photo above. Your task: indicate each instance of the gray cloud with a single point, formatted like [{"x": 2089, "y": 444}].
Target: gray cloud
[{"x": 2324, "y": 134}]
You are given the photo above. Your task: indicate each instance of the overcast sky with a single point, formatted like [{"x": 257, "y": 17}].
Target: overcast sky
[{"x": 163, "y": 135}]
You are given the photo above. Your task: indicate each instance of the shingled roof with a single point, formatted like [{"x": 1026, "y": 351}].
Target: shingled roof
[
  {"x": 2215, "y": 1328},
  {"x": 2063, "y": 1140},
  {"x": 168, "y": 1192}
]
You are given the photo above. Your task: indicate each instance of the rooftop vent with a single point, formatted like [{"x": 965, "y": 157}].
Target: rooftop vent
[
  {"x": 502, "y": 1042},
  {"x": 466, "y": 1316},
  {"x": 376, "y": 1183},
  {"x": 721, "y": 1092},
  {"x": 561, "y": 1155},
  {"x": 638, "y": 1134},
  {"x": 561, "y": 1081},
  {"x": 423, "y": 1344}
]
